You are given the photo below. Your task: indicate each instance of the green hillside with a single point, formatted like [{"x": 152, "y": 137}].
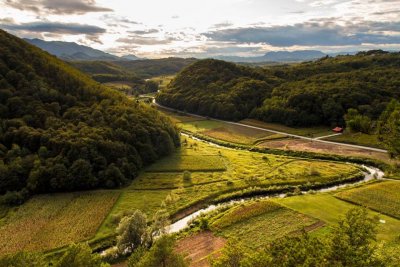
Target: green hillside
[
  {"x": 62, "y": 131},
  {"x": 310, "y": 93},
  {"x": 218, "y": 89}
]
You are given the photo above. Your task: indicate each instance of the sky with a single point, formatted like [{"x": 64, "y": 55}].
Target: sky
[{"x": 206, "y": 28}]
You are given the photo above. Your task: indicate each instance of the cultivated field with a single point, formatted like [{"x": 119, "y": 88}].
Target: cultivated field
[
  {"x": 257, "y": 223},
  {"x": 303, "y": 131},
  {"x": 199, "y": 247},
  {"x": 181, "y": 162},
  {"x": 225, "y": 131},
  {"x": 358, "y": 139},
  {"x": 229, "y": 171},
  {"x": 51, "y": 221},
  {"x": 324, "y": 148},
  {"x": 383, "y": 197}
]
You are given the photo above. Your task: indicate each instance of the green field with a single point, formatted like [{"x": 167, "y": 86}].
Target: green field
[
  {"x": 331, "y": 210},
  {"x": 243, "y": 169},
  {"x": 50, "y": 221},
  {"x": 181, "y": 162},
  {"x": 383, "y": 197},
  {"x": 257, "y": 223}
]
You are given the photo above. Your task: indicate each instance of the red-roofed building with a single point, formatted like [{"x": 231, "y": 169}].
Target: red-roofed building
[{"x": 338, "y": 130}]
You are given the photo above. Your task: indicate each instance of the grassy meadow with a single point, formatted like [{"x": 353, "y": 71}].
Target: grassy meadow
[{"x": 331, "y": 210}]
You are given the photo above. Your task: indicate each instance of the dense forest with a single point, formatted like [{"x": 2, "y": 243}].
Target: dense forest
[
  {"x": 306, "y": 94},
  {"x": 62, "y": 131}
]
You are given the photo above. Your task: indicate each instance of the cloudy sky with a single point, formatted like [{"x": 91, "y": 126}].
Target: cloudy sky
[{"x": 203, "y": 28}]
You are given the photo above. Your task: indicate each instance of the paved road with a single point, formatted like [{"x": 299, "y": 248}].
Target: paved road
[{"x": 279, "y": 132}]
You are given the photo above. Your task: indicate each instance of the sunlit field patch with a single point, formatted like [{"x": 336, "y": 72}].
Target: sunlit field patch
[
  {"x": 383, "y": 197},
  {"x": 181, "y": 162},
  {"x": 257, "y": 223},
  {"x": 51, "y": 221}
]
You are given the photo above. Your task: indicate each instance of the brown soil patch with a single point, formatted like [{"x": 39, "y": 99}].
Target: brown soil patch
[
  {"x": 121, "y": 264},
  {"x": 197, "y": 248},
  {"x": 318, "y": 147}
]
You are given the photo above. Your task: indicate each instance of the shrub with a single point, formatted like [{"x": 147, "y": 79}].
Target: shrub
[{"x": 187, "y": 176}]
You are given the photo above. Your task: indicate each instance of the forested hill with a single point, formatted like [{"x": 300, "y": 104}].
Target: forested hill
[
  {"x": 218, "y": 89},
  {"x": 305, "y": 94},
  {"x": 60, "y": 130}
]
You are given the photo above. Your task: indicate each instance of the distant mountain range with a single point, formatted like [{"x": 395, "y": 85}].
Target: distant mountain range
[
  {"x": 282, "y": 56},
  {"x": 73, "y": 51}
]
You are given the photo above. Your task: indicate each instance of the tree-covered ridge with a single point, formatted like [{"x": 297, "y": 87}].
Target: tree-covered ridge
[
  {"x": 305, "y": 94},
  {"x": 60, "y": 130},
  {"x": 218, "y": 89}
]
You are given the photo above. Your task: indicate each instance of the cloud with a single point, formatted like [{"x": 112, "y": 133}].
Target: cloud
[
  {"x": 322, "y": 33},
  {"x": 143, "y": 32},
  {"x": 110, "y": 18},
  {"x": 55, "y": 28},
  {"x": 140, "y": 40},
  {"x": 222, "y": 25},
  {"x": 58, "y": 7}
]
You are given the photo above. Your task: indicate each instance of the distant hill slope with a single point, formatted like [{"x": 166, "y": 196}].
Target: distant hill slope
[
  {"x": 146, "y": 68},
  {"x": 62, "y": 131},
  {"x": 305, "y": 94},
  {"x": 73, "y": 51},
  {"x": 278, "y": 56}
]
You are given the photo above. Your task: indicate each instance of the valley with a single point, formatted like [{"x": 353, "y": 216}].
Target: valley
[{"x": 186, "y": 162}]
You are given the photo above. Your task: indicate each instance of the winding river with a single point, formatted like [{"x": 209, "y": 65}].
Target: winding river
[{"x": 370, "y": 174}]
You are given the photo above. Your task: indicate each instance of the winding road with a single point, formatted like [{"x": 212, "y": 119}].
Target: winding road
[{"x": 317, "y": 139}]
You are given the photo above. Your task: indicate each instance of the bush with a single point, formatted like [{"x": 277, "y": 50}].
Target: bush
[
  {"x": 187, "y": 176},
  {"x": 78, "y": 255}
]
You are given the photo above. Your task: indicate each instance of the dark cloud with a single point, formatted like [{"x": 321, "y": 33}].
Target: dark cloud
[
  {"x": 312, "y": 33},
  {"x": 57, "y": 6},
  {"x": 55, "y": 28},
  {"x": 380, "y": 13},
  {"x": 144, "y": 32}
]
